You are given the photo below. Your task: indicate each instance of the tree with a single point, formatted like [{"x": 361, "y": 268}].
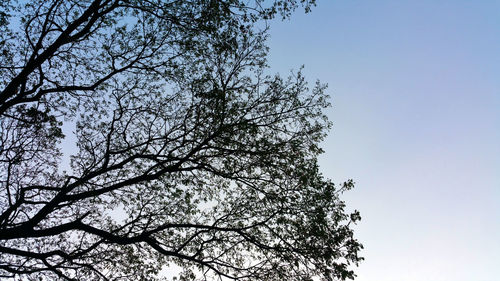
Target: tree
[{"x": 187, "y": 154}]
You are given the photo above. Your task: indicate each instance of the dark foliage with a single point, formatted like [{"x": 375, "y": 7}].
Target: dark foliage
[{"x": 188, "y": 154}]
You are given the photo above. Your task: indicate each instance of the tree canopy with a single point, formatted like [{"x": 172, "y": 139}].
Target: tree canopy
[{"x": 187, "y": 152}]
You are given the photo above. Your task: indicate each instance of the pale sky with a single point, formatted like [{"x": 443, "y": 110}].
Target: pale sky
[{"x": 415, "y": 88}]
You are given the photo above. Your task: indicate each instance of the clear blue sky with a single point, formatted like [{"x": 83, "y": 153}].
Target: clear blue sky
[{"x": 415, "y": 87}]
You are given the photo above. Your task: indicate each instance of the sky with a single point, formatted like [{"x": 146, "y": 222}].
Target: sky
[{"x": 415, "y": 88}]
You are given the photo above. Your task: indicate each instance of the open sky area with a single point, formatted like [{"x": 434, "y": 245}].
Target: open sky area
[{"x": 415, "y": 88}]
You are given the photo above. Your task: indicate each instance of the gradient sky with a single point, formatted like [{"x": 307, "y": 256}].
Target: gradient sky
[{"x": 415, "y": 87}]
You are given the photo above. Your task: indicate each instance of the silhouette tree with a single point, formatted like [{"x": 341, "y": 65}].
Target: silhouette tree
[{"x": 187, "y": 153}]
